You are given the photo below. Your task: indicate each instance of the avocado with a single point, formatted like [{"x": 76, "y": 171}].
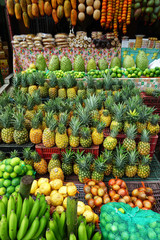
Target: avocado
[
  {"x": 149, "y": 9},
  {"x": 150, "y": 3}
]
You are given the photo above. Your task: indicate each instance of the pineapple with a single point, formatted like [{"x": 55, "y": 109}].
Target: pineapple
[
  {"x": 41, "y": 82},
  {"x": 35, "y": 132},
  {"x": 74, "y": 137},
  {"x": 50, "y": 106},
  {"x": 2, "y": 156},
  {"x": 78, "y": 155},
  {"x": 144, "y": 145},
  {"x": 48, "y": 136},
  {"x": 105, "y": 118},
  {"x": 67, "y": 159},
  {"x": 70, "y": 84},
  {"x": 30, "y": 108},
  {"x": 85, "y": 137},
  {"x": 131, "y": 167},
  {"x": 153, "y": 125},
  {"x": 97, "y": 134},
  {"x": 144, "y": 114},
  {"x": 84, "y": 115},
  {"x": 110, "y": 141},
  {"x": 31, "y": 78},
  {"x": 38, "y": 101},
  {"x": 7, "y": 130},
  {"x": 143, "y": 167},
  {"x": 27, "y": 124},
  {"x": 62, "y": 91},
  {"x": 56, "y": 173},
  {"x": 54, "y": 162},
  {"x": 92, "y": 103},
  {"x": 40, "y": 165},
  {"x": 24, "y": 83},
  {"x": 149, "y": 91},
  {"x": 118, "y": 111},
  {"x": 84, "y": 169},
  {"x": 20, "y": 134},
  {"x": 119, "y": 162},
  {"x": 81, "y": 89},
  {"x": 108, "y": 156},
  {"x": 129, "y": 142},
  {"x": 27, "y": 156},
  {"x": 99, "y": 169},
  {"x": 90, "y": 85},
  {"x": 131, "y": 119},
  {"x": 14, "y": 154},
  {"x": 53, "y": 86},
  {"x": 61, "y": 136},
  {"x": 99, "y": 87}
]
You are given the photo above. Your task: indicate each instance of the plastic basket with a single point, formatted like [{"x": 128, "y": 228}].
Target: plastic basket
[
  {"x": 7, "y": 148},
  {"x": 151, "y": 101},
  {"x": 46, "y": 153},
  {"x": 120, "y": 137}
]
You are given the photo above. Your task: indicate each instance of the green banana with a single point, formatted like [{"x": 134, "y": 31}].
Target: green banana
[
  {"x": 13, "y": 225},
  {"x": 19, "y": 206},
  {"x": 54, "y": 227},
  {"x": 42, "y": 209},
  {"x": 5, "y": 200},
  {"x": 47, "y": 215},
  {"x": 2, "y": 209},
  {"x": 97, "y": 236},
  {"x": 25, "y": 210},
  {"x": 31, "y": 202},
  {"x": 89, "y": 230},
  {"x": 82, "y": 233},
  {"x": 34, "y": 211},
  {"x": 15, "y": 196},
  {"x": 4, "y": 229},
  {"x": 80, "y": 219},
  {"x": 62, "y": 222},
  {"x": 32, "y": 230},
  {"x": 72, "y": 237},
  {"x": 11, "y": 206},
  {"x": 23, "y": 228},
  {"x": 42, "y": 225},
  {"x": 50, "y": 235},
  {"x": 42, "y": 199}
]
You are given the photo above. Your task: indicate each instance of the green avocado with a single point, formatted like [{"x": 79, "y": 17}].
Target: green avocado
[
  {"x": 149, "y": 9},
  {"x": 150, "y": 3}
]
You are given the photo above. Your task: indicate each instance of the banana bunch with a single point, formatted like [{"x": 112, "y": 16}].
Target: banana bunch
[
  {"x": 57, "y": 229},
  {"x": 25, "y": 220}
]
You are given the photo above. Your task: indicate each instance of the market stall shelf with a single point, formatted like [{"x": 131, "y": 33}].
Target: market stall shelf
[{"x": 151, "y": 101}]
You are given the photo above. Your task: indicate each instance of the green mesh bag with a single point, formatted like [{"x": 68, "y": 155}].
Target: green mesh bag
[{"x": 133, "y": 224}]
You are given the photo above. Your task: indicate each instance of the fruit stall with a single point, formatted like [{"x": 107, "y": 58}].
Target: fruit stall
[{"x": 79, "y": 121}]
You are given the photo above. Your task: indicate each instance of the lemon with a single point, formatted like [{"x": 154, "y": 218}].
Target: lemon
[
  {"x": 16, "y": 181},
  {"x": 10, "y": 189},
  {"x": 13, "y": 175},
  {"x": 17, "y": 169},
  {"x": 89, "y": 216},
  {"x": 7, "y": 183},
  {"x": 1, "y": 182},
  {"x": 17, "y": 188},
  {"x": 15, "y": 161},
  {"x": 6, "y": 175},
  {"x": 8, "y": 168},
  {"x": 2, "y": 190}
]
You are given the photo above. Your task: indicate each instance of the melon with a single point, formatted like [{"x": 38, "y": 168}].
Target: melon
[
  {"x": 89, "y": 10},
  {"x": 81, "y": 7},
  {"x": 97, "y": 4},
  {"x": 128, "y": 62},
  {"x": 81, "y": 16},
  {"x": 89, "y": 2},
  {"x": 81, "y": 1},
  {"x": 96, "y": 14}
]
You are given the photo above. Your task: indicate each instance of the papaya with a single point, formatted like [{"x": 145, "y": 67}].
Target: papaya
[
  {"x": 47, "y": 8},
  {"x": 26, "y": 20},
  {"x": 149, "y": 9},
  {"x": 23, "y": 5},
  {"x": 17, "y": 10},
  {"x": 156, "y": 10},
  {"x": 35, "y": 10},
  {"x": 60, "y": 11},
  {"x": 10, "y": 7},
  {"x": 60, "y": 2},
  {"x": 54, "y": 3},
  {"x": 137, "y": 5},
  {"x": 73, "y": 17},
  {"x": 157, "y": 3},
  {"x": 41, "y": 7},
  {"x": 74, "y": 4},
  {"x": 34, "y": 1},
  {"x": 54, "y": 16},
  {"x": 137, "y": 13},
  {"x": 150, "y": 3},
  {"x": 28, "y": 2},
  {"x": 67, "y": 8},
  {"x": 29, "y": 11},
  {"x": 16, "y": 1}
]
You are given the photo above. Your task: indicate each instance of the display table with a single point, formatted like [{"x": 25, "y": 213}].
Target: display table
[{"x": 22, "y": 58}]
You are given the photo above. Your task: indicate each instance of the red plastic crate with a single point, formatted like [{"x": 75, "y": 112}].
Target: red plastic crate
[
  {"x": 120, "y": 137},
  {"x": 46, "y": 153},
  {"x": 151, "y": 101}
]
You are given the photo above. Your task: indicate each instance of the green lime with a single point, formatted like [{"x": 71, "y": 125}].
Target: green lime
[
  {"x": 139, "y": 74},
  {"x": 7, "y": 161},
  {"x": 2, "y": 167},
  {"x": 133, "y": 75},
  {"x": 2, "y": 190},
  {"x": 129, "y": 75},
  {"x": 113, "y": 75},
  {"x": 8, "y": 168},
  {"x": 7, "y": 195},
  {"x": 17, "y": 188},
  {"x": 16, "y": 181},
  {"x": 13, "y": 175},
  {"x": 18, "y": 169},
  {"x": 119, "y": 75},
  {"x": 151, "y": 74},
  {"x": 10, "y": 189},
  {"x": 133, "y": 68},
  {"x": 1, "y": 182},
  {"x": 130, "y": 71},
  {"x": 1, "y": 174},
  {"x": 29, "y": 167},
  {"x": 6, "y": 175},
  {"x": 7, "y": 183},
  {"x": 15, "y": 161},
  {"x": 126, "y": 73},
  {"x": 30, "y": 172}
]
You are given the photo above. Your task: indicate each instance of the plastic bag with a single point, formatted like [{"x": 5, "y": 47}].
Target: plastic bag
[{"x": 119, "y": 221}]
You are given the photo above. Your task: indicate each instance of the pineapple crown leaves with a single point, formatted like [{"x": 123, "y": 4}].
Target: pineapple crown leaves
[
  {"x": 144, "y": 113},
  {"x": 63, "y": 118},
  {"x": 118, "y": 111},
  {"x": 154, "y": 119},
  {"x": 61, "y": 83},
  {"x": 37, "y": 97},
  {"x": 106, "y": 113},
  {"x": 91, "y": 102},
  {"x": 85, "y": 132},
  {"x": 80, "y": 85},
  {"x": 107, "y": 82},
  {"x": 70, "y": 81},
  {"x": 90, "y": 82},
  {"x": 145, "y": 136},
  {"x": 114, "y": 133},
  {"x": 35, "y": 122},
  {"x": 109, "y": 103},
  {"x": 90, "y": 157},
  {"x": 120, "y": 157},
  {"x": 27, "y": 153},
  {"x": 117, "y": 97},
  {"x": 50, "y": 121},
  {"x": 84, "y": 163},
  {"x": 50, "y": 106},
  {"x": 78, "y": 155},
  {"x": 18, "y": 121},
  {"x": 5, "y": 119},
  {"x": 68, "y": 156},
  {"x": 100, "y": 164},
  {"x": 132, "y": 116},
  {"x": 145, "y": 160},
  {"x": 17, "y": 80},
  {"x": 107, "y": 156},
  {"x": 55, "y": 156},
  {"x": 128, "y": 83},
  {"x": 2, "y": 155},
  {"x": 100, "y": 127},
  {"x": 75, "y": 126},
  {"x": 133, "y": 102},
  {"x": 20, "y": 98},
  {"x": 83, "y": 114},
  {"x": 99, "y": 84},
  {"x": 31, "y": 78},
  {"x": 95, "y": 122},
  {"x": 35, "y": 156},
  {"x": 53, "y": 81},
  {"x": 24, "y": 82},
  {"x": 132, "y": 157},
  {"x": 30, "y": 102},
  {"x": 131, "y": 132},
  {"x": 40, "y": 79},
  {"x": 156, "y": 93},
  {"x": 14, "y": 154},
  {"x": 61, "y": 128},
  {"x": 40, "y": 115},
  {"x": 4, "y": 99},
  {"x": 135, "y": 92}
]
